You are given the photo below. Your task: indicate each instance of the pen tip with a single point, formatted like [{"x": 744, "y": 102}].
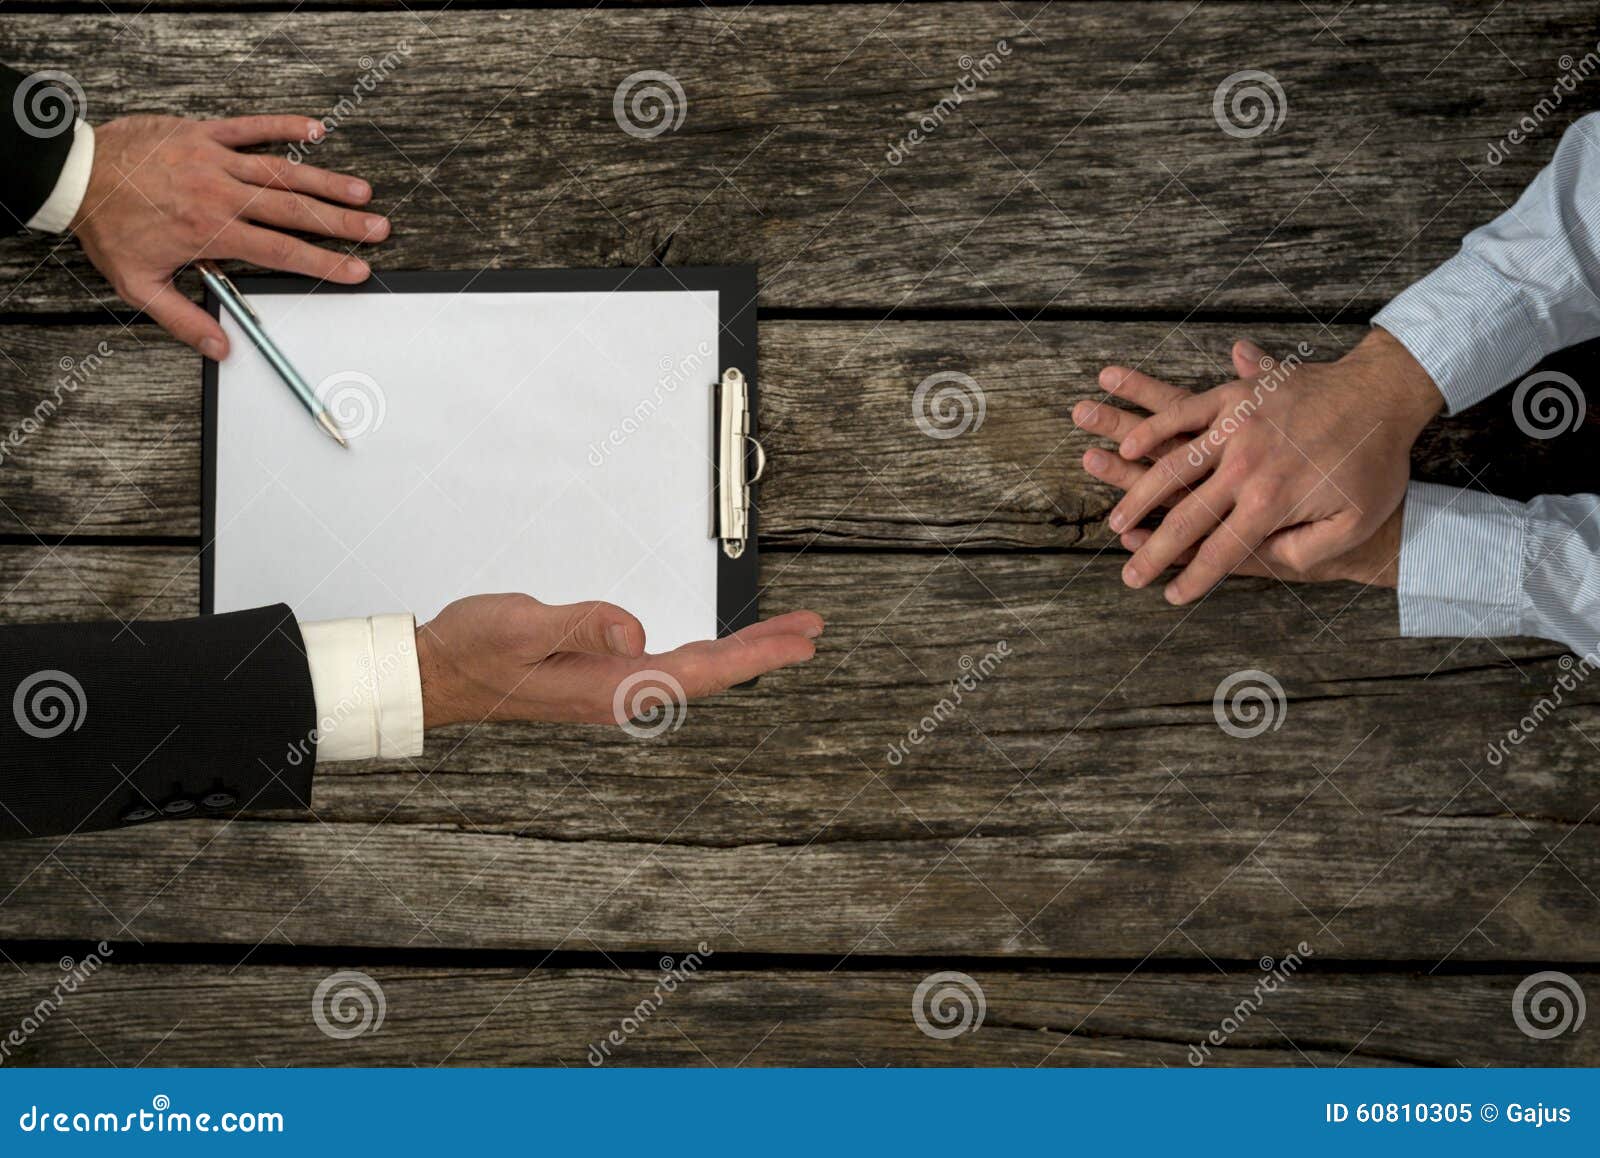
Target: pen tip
[{"x": 332, "y": 428}]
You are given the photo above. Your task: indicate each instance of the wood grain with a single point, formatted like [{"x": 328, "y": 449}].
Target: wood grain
[
  {"x": 1087, "y": 171},
  {"x": 1082, "y": 801},
  {"x": 132, "y": 1014},
  {"x": 118, "y": 450}
]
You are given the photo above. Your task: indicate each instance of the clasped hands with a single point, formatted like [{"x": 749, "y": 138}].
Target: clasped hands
[{"x": 1296, "y": 470}]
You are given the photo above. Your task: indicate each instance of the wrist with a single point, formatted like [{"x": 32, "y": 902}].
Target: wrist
[
  {"x": 435, "y": 704},
  {"x": 1397, "y": 384}
]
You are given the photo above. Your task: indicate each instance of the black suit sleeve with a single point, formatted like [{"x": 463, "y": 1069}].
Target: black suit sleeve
[
  {"x": 104, "y": 725},
  {"x": 35, "y": 137}
]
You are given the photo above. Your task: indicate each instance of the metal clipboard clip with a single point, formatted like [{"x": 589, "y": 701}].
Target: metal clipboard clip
[{"x": 733, "y": 478}]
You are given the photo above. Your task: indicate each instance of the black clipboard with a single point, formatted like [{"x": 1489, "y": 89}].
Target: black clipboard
[{"x": 739, "y": 470}]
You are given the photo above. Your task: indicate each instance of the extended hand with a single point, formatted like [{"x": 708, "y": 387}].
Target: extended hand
[
  {"x": 1291, "y": 469},
  {"x": 164, "y": 191},
  {"x": 1372, "y": 560},
  {"x": 510, "y": 657}
]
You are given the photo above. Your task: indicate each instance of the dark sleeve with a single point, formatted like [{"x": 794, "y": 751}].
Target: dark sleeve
[
  {"x": 104, "y": 724},
  {"x": 35, "y": 137}
]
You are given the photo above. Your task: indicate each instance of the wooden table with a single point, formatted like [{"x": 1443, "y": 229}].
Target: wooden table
[{"x": 1080, "y": 838}]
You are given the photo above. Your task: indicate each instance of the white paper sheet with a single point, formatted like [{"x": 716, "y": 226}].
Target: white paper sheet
[{"x": 557, "y": 444}]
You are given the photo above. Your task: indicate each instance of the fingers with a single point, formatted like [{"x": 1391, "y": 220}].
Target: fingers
[
  {"x": 1227, "y": 550},
  {"x": 281, "y": 173},
  {"x": 1194, "y": 412},
  {"x": 1142, "y": 390},
  {"x": 806, "y": 623},
  {"x": 1169, "y": 474},
  {"x": 1250, "y": 360},
  {"x": 712, "y": 666},
  {"x": 236, "y": 132},
  {"x": 1113, "y": 423},
  {"x": 308, "y": 215},
  {"x": 181, "y": 318},
  {"x": 267, "y": 247},
  {"x": 595, "y": 627},
  {"x": 1180, "y": 529},
  {"x": 1113, "y": 468}
]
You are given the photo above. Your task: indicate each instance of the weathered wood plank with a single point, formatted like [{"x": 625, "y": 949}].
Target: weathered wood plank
[
  {"x": 111, "y": 446},
  {"x": 1083, "y": 800},
  {"x": 1087, "y": 170},
  {"x": 144, "y": 1014}
]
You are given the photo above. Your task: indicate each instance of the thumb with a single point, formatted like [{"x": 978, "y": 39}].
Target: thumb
[
  {"x": 181, "y": 318},
  {"x": 1249, "y": 359},
  {"x": 595, "y": 627}
]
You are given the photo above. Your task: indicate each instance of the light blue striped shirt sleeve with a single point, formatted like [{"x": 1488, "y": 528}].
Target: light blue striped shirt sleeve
[
  {"x": 1472, "y": 564},
  {"x": 1522, "y": 287}
]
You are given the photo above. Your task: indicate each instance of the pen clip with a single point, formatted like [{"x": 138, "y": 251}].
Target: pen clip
[{"x": 224, "y": 287}]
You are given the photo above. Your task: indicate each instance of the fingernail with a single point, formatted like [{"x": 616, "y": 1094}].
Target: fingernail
[
  {"x": 378, "y": 226},
  {"x": 1080, "y": 413},
  {"x": 1118, "y": 521},
  {"x": 314, "y": 131},
  {"x": 617, "y": 640},
  {"x": 358, "y": 190},
  {"x": 1126, "y": 449},
  {"x": 212, "y": 348},
  {"x": 1130, "y": 575},
  {"x": 1095, "y": 460},
  {"x": 813, "y": 632},
  {"x": 357, "y": 267},
  {"x": 1171, "y": 593}
]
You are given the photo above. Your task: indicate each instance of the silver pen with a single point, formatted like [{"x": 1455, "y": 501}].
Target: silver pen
[{"x": 235, "y": 303}]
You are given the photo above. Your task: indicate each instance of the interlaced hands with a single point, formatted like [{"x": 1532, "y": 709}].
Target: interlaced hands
[{"x": 1294, "y": 469}]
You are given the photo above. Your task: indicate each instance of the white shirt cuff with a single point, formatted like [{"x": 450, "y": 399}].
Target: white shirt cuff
[
  {"x": 61, "y": 206},
  {"x": 367, "y": 686},
  {"x": 1460, "y": 563}
]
